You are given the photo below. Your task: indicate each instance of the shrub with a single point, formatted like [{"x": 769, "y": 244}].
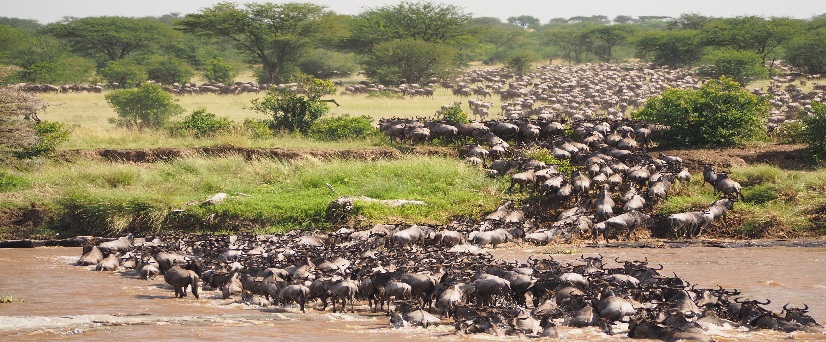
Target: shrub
[
  {"x": 520, "y": 62},
  {"x": 168, "y": 69},
  {"x": 201, "y": 124},
  {"x": 296, "y": 110},
  {"x": 257, "y": 129},
  {"x": 216, "y": 70},
  {"x": 146, "y": 107},
  {"x": 742, "y": 66},
  {"x": 720, "y": 113},
  {"x": 124, "y": 72},
  {"x": 815, "y": 125},
  {"x": 49, "y": 136},
  {"x": 789, "y": 132},
  {"x": 455, "y": 114},
  {"x": 343, "y": 127}
]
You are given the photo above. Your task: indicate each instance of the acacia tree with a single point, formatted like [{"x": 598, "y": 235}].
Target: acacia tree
[
  {"x": 399, "y": 29},
  {"x": 525, "y": 21},
  {"x": 573, "y": 40},
  {"x": 497, "y": 37},
  {"x": 111, "y": 38},
  {"x": 273, "y": 36},
  {"x": 808, "y": 52},
  {"x": 604, "y": 39},
  {"x": 752, "y": 33},
  {"x": 673, "y": 48},
  {"x": 412, "y": 60},
  {"x": 425, "y": 21}
]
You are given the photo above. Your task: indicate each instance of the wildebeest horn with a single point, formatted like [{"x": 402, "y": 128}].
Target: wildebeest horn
[
  {"x": 733, "y": 293},
  {"x": 768, "y": 301},
  {"x": 785, "y": 307},
  {"x": 737, "y": 300},
  {"x": 805, "y": 307}
]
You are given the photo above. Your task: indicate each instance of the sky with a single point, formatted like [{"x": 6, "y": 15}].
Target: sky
[{"x": 46, "y": 11}]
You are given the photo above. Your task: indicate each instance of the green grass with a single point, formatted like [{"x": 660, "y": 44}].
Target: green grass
[
  {"x": 266, "y": 195},
  {"x": 777, "y": 202}
]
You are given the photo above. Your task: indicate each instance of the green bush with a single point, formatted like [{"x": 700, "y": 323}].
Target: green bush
[
  {"x": 216, "y": 70},
  {"x": 257, "y": 129},
  {"x": 343, "y": 127},
  {"x": 815, "y": 126},
  {"x": 49, "y": 136},
  {"x": 455, "y": 114},
  {"x": 168, "y": 70},
  {"x": 742, "y": 66},
  {"x": 201, "y": 124},
  {"x": 720, "y": 113},
  {"x": 146, "y": 107},
  {"x": 789, "y": 132},
  {"x": 124, "y": 72},
  {"x": 296, "y": 111},
  {"x": 520, "y": 62}
]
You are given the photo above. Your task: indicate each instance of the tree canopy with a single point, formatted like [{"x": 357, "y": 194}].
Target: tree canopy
[
  {"x": 110, "y": 38},
  {"x": 525, "y": 21},
  {"x": 273, "y": 36},
  {"x": 425, "y": 21}
]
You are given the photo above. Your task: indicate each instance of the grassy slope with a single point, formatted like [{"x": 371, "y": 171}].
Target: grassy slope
[
  {"x": 265, "y": 195},
  {"x": 778, "y": 203}
]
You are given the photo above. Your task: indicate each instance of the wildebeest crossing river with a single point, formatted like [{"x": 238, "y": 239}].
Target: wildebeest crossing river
[{"x": 61, "y": 301}]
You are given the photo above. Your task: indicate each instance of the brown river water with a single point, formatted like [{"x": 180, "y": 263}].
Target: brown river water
[{"x": 65, "y": 302}]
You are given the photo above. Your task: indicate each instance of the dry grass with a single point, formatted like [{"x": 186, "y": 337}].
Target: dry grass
[{"x": 89, "y": 114}]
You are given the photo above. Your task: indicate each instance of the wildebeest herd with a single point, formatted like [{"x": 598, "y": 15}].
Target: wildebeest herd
[{"x": 413, "y": 276}]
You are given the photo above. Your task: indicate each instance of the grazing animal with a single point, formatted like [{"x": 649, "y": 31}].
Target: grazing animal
[
  {"x": 524, "y": 179},
  {"x": 181, "y": 277},
  {"x": 626, "y": 222},
  {"x": 687, "y": 224}
]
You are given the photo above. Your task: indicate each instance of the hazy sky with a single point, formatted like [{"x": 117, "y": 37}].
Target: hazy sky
[{"x": 47, "y": 11}]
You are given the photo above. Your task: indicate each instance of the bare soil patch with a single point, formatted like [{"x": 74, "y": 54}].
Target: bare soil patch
[
  {"x": 787, "y": 157},
  {"x": 165, "y": 154}
]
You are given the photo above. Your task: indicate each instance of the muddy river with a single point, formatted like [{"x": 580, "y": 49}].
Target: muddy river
[{"x": 57, "y": 301}]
